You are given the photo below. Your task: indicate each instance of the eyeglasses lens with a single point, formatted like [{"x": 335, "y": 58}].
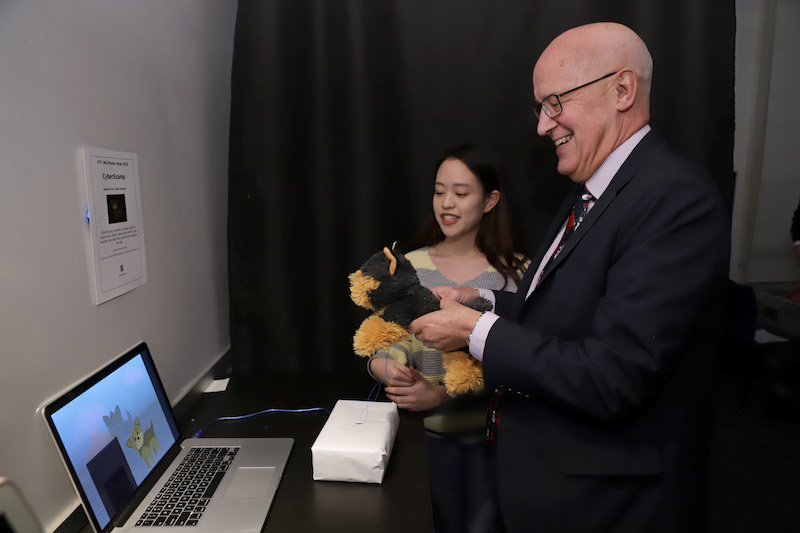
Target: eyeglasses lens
[{"x": 551, "y": 107}]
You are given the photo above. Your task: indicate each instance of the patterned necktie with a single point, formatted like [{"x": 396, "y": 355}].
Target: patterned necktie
[{"x": 579, "y": 210}]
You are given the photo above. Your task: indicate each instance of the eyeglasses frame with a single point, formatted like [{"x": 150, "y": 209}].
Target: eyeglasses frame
[{"x": 537, "y": 107}]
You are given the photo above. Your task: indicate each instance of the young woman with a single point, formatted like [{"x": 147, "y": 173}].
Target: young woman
[{"x": 466, "y": 242}]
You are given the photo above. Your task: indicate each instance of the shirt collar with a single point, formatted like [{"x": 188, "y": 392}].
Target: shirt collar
[{"x": 599, "y": 181}]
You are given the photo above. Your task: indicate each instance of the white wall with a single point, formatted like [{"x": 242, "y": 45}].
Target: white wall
[
  {"x": 145, "y": 76},
  {"x": 767, "y": 155}
]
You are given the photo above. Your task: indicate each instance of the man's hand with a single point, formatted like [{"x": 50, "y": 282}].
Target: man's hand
[
  {"x": 445, "y": 330},
  {"x": 422, "y": 395},
  {"x": 462, "y": 295}
]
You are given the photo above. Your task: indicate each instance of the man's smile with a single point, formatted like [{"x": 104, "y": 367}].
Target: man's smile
[{"x": 563, "y": 140}]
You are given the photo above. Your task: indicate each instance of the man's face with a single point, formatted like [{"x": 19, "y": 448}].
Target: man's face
[{"x": 582, "y": 132}]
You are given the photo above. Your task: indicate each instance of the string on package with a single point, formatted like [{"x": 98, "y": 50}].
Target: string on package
[{"x": 376, "y": 390}]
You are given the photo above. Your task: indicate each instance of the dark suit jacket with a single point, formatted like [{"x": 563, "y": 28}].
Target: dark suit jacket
[{"x": 612, "y": 355}]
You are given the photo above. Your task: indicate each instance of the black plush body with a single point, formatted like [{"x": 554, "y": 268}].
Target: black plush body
[{"x": 387, "y": 284}]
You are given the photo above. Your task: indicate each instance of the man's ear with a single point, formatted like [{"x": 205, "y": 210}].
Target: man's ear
[
  {"x": 626, "y": 85},
  {"x": 491, "y": 200}
]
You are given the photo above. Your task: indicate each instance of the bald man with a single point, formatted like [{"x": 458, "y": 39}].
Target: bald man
[{"x": 603, "y": 358}]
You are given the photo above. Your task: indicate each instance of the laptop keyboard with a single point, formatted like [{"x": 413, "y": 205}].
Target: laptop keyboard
[{"x": 186, "y": 494}]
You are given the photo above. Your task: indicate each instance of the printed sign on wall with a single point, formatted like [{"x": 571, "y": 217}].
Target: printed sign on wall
[{"x": 115, "y": 222}]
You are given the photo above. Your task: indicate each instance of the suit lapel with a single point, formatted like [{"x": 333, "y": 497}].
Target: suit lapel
[
  {"x": 618, "y": 182},
  {"x": 547, "y": 240}
]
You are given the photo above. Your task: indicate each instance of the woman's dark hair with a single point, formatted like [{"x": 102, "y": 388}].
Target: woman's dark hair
[{"x": 494, "y": 237}]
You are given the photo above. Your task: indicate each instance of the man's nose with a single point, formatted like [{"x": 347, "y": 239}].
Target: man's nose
[{"x": 544, "y": 124}]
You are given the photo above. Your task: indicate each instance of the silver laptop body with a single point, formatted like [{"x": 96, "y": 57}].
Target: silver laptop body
[{"x": 119, "y": 440}]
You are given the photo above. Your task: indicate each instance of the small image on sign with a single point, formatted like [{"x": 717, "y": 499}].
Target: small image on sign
[{"x": 116, "y": 208}]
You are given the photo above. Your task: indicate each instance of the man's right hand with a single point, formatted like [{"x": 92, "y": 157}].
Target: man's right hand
[{"x": 462, "y": 295}]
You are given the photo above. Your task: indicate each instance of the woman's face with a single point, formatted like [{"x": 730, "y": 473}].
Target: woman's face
[{"x": 459, "y": 202}]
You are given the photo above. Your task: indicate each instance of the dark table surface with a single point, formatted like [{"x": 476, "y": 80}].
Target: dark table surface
[{"x": 400, "y": 503}]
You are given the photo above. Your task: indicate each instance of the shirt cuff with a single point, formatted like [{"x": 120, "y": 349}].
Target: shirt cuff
[
  {"x": 480, "y": 332},
  {"x": 488, "y": 295}
]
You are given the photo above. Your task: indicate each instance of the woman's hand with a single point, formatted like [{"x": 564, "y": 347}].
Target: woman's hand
[
  {"x": 422, "y": 395},
  {"x": 391, "y": 372}
]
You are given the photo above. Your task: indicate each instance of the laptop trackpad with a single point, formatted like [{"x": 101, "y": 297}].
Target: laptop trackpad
[{"x": 250, "y": 482}]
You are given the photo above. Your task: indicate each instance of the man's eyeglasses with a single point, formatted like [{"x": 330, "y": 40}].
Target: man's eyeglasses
[{"x": 552, "y": 104}]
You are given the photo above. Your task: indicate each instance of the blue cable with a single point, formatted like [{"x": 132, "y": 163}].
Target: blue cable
[
  {"x": 251, "y": 415},
  {"x": 370, "y": 399}
]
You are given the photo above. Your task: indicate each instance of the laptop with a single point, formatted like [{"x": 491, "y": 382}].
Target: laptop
[
  {"x": 16, "y": 516},
  {"x": 119, "y": 440}
]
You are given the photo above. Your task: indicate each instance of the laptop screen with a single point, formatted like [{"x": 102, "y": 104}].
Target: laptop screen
[{"x": 112, "y": 429}]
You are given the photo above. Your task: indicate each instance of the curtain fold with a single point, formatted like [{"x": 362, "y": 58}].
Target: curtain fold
[{"x": 339, "y": 110}]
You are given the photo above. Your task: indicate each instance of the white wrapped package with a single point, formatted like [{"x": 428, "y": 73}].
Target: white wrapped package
[{"x": 356, "y": 442}]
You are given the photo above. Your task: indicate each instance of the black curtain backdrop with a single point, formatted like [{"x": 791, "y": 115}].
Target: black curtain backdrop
[{"x": 340, "y": 109}]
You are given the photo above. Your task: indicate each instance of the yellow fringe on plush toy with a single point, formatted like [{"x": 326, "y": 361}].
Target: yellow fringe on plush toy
[
  {"x": 462, "y": 373},
  {"x": 376, "y": 334},
  {"x": 360, "y": 287}
]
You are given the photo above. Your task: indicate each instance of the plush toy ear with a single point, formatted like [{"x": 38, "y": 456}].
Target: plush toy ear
[{"x": 392, "y": 260}]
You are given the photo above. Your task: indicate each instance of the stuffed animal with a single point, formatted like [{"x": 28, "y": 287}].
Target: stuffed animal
[
  {"x": 145, "y": 442},
  {"x": 387, "y": 284}
]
